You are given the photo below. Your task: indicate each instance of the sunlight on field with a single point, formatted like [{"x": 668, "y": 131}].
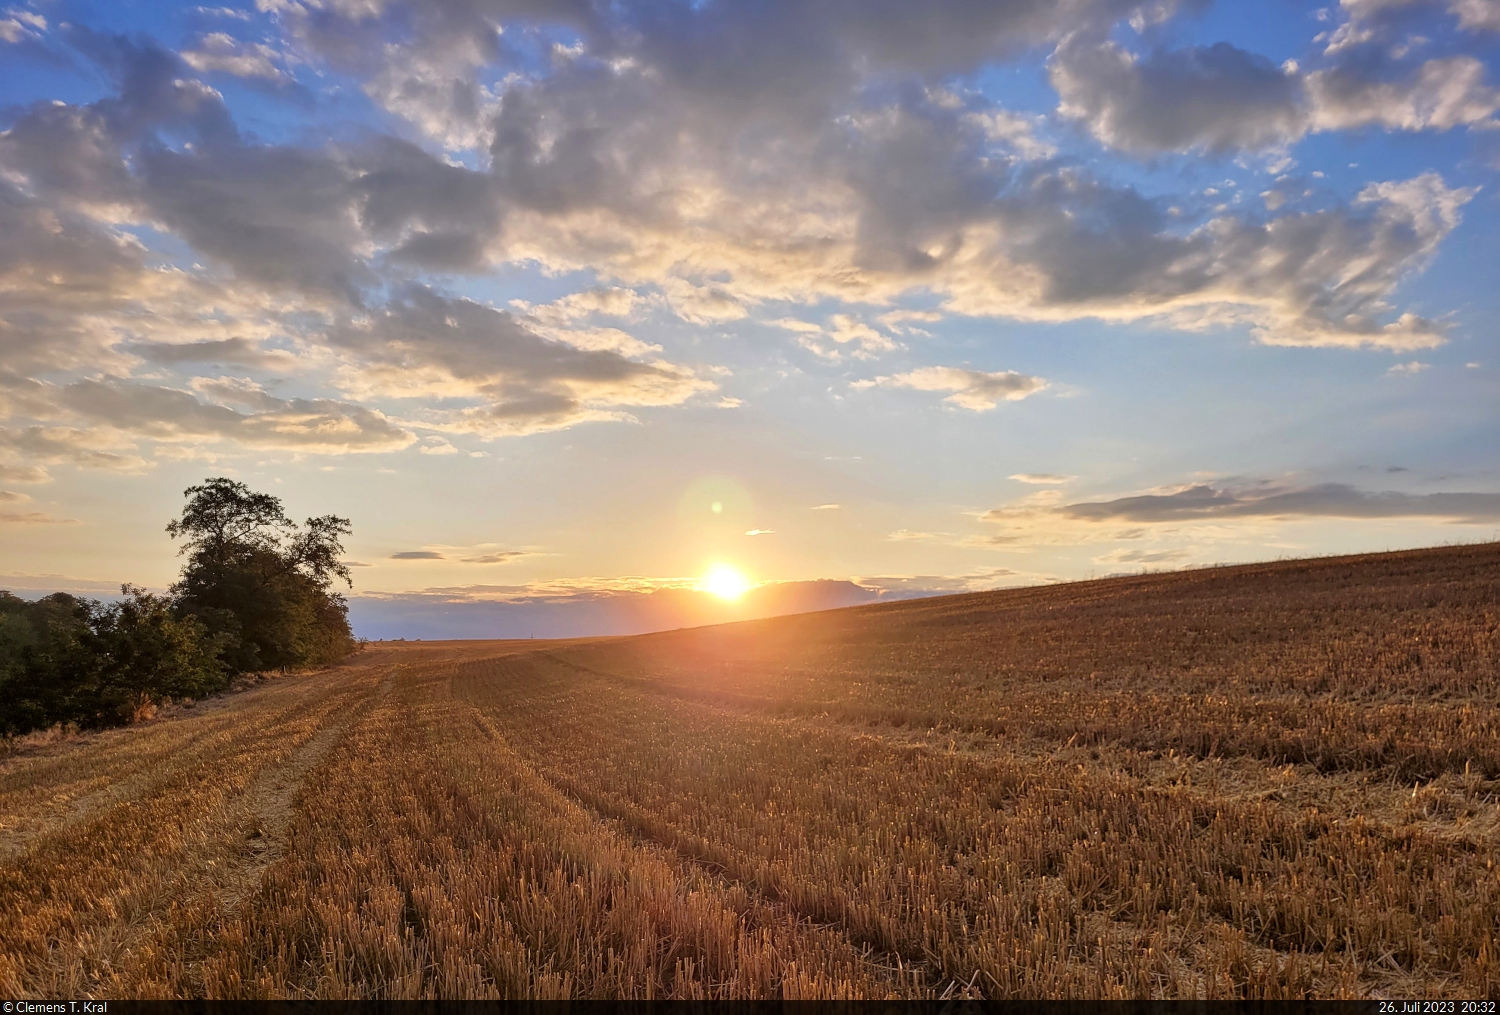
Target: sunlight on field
[{"x": 1275, "y": 781}]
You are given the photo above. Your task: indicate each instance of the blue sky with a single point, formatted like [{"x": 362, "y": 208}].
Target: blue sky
[{"x": 929, "y": 297}]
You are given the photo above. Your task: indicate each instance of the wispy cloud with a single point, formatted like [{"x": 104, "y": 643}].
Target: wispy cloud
[{"x": 971, "y": 389}]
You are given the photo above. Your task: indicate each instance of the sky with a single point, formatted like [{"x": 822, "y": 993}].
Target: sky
[{"x": 564, "y": 302}]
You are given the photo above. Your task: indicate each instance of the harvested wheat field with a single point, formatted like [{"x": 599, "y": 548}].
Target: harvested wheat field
[{"x": 1275, "y": 780}]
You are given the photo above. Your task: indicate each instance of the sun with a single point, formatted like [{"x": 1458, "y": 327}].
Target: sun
[{"x": 724, "y": 582}]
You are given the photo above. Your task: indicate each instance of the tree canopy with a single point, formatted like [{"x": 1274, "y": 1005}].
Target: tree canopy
[
  {"x": 256, "y": 592},
  {"x": 257, "y": 579}
]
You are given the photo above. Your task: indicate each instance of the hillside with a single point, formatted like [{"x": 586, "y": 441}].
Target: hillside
[{"x": 1275, "y": 780}]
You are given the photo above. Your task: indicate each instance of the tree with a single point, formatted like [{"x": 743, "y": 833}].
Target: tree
[
  {"x": 146, "y": 654},
  {"x": 256, "y": 579},
  {"x": 47, "y": 667}
]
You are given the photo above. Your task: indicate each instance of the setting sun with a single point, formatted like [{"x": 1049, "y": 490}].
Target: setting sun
[{"x": 725, "y": 582}]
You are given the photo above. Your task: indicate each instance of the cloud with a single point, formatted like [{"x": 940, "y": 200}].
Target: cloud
[
  {"x": 1413, "y": 367},
  {"x": 972, "y": 389},
  {"x": 1040, "y": 478},
  {"x": 1210, "y": 513},
  {"x": 11, "y": 473},
  {"x": 825, "y": 507},
  {"x": 1223, "y": 99},
  {"x": 760, "y": 532},
  {"x": 418, "y": 555},
  {"x": 847, "y": 329},
  {"x": 627, "y": 158},
  {"x": 502, "y": 557},
  {"x": 1217, "y": 97},
  {"x": 44, "y": 584},
  {"x": 1372, "y": 19},
  {"x": 908, "y": 536},
  {"x": 1014, "y": 130},
  {"x": 1144, "y": 557},
  {"x": 225, "y": 351},
  {"x": 11, "y": 517},
  {"x": 624, "y": 158},
  {"x": 129, "y": 410},
  {"x": 1327, "y": 500},
  {"x": 611, "y": 301},
  {"x": 32, "y": 518},
  {"x": 18, "y": 26},
  {"x": 1477, "y": 15},
  {"x": 219, "y": 51},
  {"x": 424, "y": 60},
  {"x": 1438, "y": 95},
  {"x": 710, "y": 160},
  {"x": 27, "y": 450},
  {"x": 982, "y": 580},
  {"x": 586, "y": 607},
  {"x": 435, "y": 347}
]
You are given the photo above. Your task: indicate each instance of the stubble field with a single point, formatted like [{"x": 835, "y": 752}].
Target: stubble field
[{"x": 1277, "y": 780}]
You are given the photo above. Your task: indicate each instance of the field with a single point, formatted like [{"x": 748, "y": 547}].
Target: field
[{"x": 1277, "y": 780}]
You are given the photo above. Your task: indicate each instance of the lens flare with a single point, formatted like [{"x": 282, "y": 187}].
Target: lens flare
[{"x": 725, "y": 582}]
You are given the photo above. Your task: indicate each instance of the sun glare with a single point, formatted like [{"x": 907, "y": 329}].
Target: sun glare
[{"x": 725, "y": 582}]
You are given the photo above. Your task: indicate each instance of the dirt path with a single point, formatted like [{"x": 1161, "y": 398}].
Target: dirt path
[{"x": 271, "y": 799}]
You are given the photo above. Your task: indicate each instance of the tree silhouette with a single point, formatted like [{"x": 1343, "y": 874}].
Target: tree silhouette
[{"x": 257, "y": 580}]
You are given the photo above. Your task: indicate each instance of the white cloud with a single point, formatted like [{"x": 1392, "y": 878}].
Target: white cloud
[
  {"x": 20, "y": 25},
  {"x": 1440, "y": 95},
  {"x": 867, "y": 340},
  {"x": 219, "y": 51},
  {"x": 1477, "y": 15},
  {"x": 971, "y": 389}
]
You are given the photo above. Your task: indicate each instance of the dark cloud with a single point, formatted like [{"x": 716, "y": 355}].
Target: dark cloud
[
  {"x": 495, "y": 558},
  {"x": 418, "y": 555},
  {"x": 225, "y": 351},
  {"x": 1223, "y": 99},
  {"x": 280, "y": 216},
  {"x": 430, "y": 345},
  {"x": 1216, "y": 97},
  {"x": 154, "y": 89},
  {"x": 1326, "y": 500},
  {"x": 795, "y": 58},
  {"x": 429, "y": 213}
]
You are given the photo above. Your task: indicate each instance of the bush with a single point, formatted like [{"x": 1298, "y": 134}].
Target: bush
[
  {"x": 46, "y": 662},
  {"x": 146, "y": 654},
  {"x": 69, "y": 660}
]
